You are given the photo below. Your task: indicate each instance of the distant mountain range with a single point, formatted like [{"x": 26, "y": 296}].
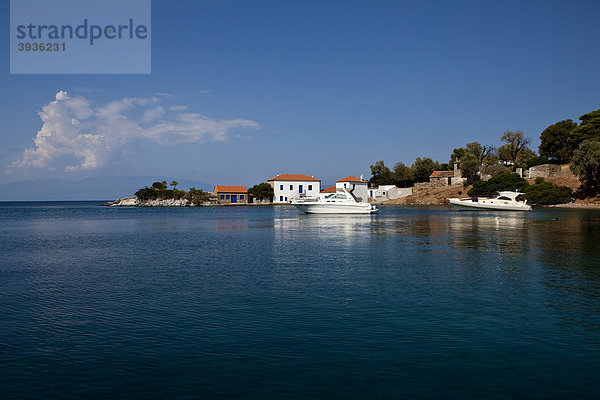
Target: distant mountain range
[{"x": 106, "y": 188}]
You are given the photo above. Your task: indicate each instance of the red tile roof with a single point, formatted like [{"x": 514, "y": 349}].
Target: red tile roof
[
  {"x": 442, "y": 174},
  {"x": 330, "y": 189},
  {"x": 230, "y": 189},
  {"x": 351, "y": 179},
  {"x": 292, "y": 177}
]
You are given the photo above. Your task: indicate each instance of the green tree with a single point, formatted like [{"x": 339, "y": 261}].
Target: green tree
[
  {"x": 504, "y": 154},
  {"x": 589, "y": 128},
  {"x": 585, "y": 164},
  {"x": 500, "y": 182},
  {"x": 262, "y": 191},
  {"x": 479, "y": 151},
  {"x": 159, "y": 185},
  {"x": 423, "y": 167},
  {"x": 524, "y": 156},
  {"x": 196, "y": 196},
  {"x": 515, "y": 142},
  {"x": 145, "y": 193},
  {"x": 403, "y": 175},
  {"x": 381, "y": 174},
  {"x": 469, "y": 167},
  {"x": 174, "y": 184},
  {"x": 491, "y": 160},
  {"x": 455, "y": 156},
  {"x": 555, "y": 144},
  {"x": 546, "y": 193}
]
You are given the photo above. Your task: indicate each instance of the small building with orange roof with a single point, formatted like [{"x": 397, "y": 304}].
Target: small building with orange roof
[
  {"x": 288, "y": 186},
  {"x": 330, "y": 189},
  {"x": 231, "y": 194}
]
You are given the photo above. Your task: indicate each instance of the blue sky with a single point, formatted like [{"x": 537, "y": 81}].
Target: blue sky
[{"x": 316, "y": 87}]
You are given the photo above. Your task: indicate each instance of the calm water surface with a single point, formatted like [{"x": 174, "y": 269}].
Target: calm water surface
[{"x": 262, "y": 302}]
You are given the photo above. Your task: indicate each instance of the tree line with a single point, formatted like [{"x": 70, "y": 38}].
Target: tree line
[
  {"x": 562, "y": 142},
  {"x": 160, "y": 191}
]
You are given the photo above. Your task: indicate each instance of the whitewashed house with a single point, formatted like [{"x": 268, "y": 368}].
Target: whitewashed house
[
  {"x": 388, "y": 192},
  {"x": 358, "y": 186},
  {"x": 288, "y": 186}
]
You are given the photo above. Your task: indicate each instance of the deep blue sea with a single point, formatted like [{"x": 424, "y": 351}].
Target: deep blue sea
[{"x": 264, "y": 302}]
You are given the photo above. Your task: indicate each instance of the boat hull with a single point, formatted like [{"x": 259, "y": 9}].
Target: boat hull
[
  {"x": 487, "y": 205},
  {"x": 328, "y": 208}
]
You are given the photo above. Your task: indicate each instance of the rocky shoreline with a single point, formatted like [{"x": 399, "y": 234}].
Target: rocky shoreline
[{"x": 135, "y": 202}]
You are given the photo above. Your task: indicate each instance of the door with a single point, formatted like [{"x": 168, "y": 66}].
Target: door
[
  {"x": 234, "y": 198},
  {"x": 299, "y": 188}
]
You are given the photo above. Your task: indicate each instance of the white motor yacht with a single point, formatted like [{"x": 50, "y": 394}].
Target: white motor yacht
[
  {"x": 340, "y": 202},
  {"x": 503, "y": 201}
]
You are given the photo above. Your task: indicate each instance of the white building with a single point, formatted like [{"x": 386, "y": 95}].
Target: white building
[
  {"x": 288, "y": 186},
  {"x": 388, "y": 192},
  {"x": 358, "y": 186}
]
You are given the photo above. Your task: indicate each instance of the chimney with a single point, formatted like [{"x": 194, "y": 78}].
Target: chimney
[{"x": 361, "y": 177}]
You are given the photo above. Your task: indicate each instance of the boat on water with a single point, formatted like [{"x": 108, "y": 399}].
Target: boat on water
[
  {"x": 340, "y": 202},
  {"x": 507, "y": 201}
]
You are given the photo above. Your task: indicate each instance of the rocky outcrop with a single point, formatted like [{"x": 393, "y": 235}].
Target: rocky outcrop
[
  {"x": 165, "y": 203},
  {"x": 134, "y": 202},
  {"x": 124, "y": 202}
]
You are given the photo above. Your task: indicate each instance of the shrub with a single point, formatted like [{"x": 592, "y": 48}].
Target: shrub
[
  {"x": 546, "y": 193},
  {"x": 502, "y": 181}
]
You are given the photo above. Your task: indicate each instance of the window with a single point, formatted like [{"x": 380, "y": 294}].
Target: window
[
  {"x": 241, "y": 197},
  {"x": 227, "y": 197},
  {"x": 309, "y": 187},
  {"x": 291, "y": 187},
  {"x": 344, "y": 185},
  {"x": 286, "y": 199},
  {"x": 222, "y": 197},
  {"x": 280, "y": 187},
  {"x": 280, "y": 198}
]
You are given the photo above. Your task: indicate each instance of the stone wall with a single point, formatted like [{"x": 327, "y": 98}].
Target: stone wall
[{"x": 544, "y": 171}]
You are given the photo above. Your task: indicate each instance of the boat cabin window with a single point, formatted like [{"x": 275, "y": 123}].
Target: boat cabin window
[
  {"x": 503, "y": 198},
  {"x": 335, "y": 196}
]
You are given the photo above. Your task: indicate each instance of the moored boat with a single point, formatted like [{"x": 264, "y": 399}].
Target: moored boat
[
  {"x": 506, "y": 201},
  {"x": 340, "y": 202}
]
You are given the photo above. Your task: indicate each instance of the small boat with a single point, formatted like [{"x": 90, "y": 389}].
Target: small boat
[
  {"x": 507, "y": 201},
  {"x": 340, "y": 202}
]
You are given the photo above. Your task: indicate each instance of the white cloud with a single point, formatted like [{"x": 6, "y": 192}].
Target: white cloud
[
  {"x": 178, "y": 108},
  {"x": 78, "y": 136}
]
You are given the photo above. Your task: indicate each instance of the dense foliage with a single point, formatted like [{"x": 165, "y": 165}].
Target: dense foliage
[
  {"x": 546, "y": 193},
  {"x": 500, "y": 182},
  {"x": 196, "y": 196},
  {"x": 586, "y": 165},
  {"x": 262, "y": 191},
  {"x": 555, "y": 144},
  {"x": 588, "y": 129},
  {"x": 381, "y": 174},
  {"x": 423, "y": 167},
  {"x": 515, "y": 150},
  {"x": 159, "y": 191},
  {"x": 469, "y": 166},
  {"x": 539, "y": 160},
  {"x": 403, "y": 175}
]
